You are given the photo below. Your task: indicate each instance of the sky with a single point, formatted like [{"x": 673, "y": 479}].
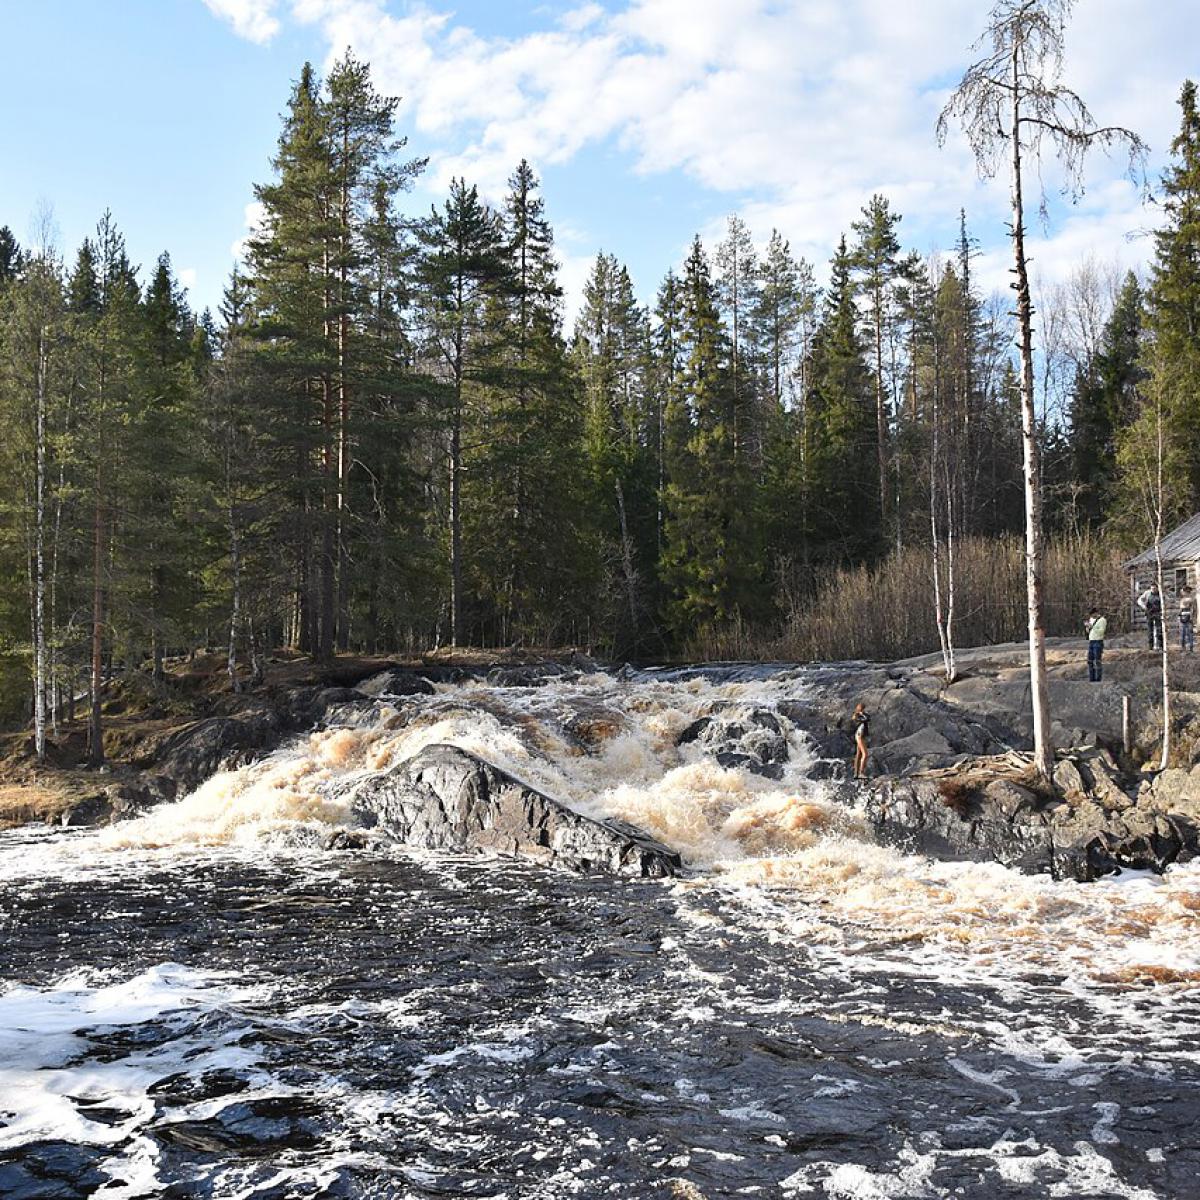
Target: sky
[{"x": 648, "y": 120}]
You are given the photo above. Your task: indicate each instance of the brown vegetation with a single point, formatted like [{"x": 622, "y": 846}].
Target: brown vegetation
[{"x": 885, "y": 612}]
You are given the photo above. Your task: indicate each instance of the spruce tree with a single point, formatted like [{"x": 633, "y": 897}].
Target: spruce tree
[
  {"x": 612, "y": 355},
  {"x": 709, "y": 557},
  {"x": 1103, "y": 402},
  {"x": 841, "y": 433},
  {"x": 1173, "y": 297},
  {"x": 11, "y": 257},
  {"x": 876, "y": 260},
  {"x": 524, "y": 485}
]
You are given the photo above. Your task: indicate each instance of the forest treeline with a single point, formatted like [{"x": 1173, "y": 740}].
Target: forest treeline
[{"x": 387, "y": 440}]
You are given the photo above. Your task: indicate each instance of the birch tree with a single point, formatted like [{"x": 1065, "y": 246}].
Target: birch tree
[{"x": 1011, "y": 104}]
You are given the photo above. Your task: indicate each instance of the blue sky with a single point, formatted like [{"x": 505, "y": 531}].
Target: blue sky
[{"x": 649, "y": 120}]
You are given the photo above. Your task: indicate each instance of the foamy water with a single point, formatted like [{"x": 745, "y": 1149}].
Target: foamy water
[{"x": 768, "y": 1022}]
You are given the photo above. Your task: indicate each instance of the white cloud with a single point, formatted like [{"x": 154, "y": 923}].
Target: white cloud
[
  {"x": 253, "y": 20},
  {"x": 255, "y": 215},
  {"x": 794, "y": 113},
  {"x": 187, "y": 277}
]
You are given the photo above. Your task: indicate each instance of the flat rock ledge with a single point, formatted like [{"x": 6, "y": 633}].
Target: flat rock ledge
[
  {"x": 986, "y": 811},
  {"x": 445, "y": 798}
]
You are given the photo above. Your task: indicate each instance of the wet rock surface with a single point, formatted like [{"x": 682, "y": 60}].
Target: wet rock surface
[
  {"x": 1085, "y": 828},
  {"x": 447, "y": 799},
  {"x": 751, "y": 739}
]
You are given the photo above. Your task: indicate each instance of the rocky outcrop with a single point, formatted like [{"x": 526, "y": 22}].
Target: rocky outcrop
[
  {"x": 1088, "y": 827},
  {"x": 447, "y": 799}
]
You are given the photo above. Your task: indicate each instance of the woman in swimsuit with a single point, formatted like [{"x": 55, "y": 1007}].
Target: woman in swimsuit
[{"x": 862, "y": 729}]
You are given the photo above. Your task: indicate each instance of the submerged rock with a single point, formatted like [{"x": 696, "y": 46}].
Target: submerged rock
[
  {"x": 396, "y": 681},
  {"x": 748, "y": 739},
  {"x": 448, "y": 799}
]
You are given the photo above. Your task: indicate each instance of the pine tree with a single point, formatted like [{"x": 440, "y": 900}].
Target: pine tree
[
  {"x": 290, "y": 271},
  {"x": 462, "y": 267}
]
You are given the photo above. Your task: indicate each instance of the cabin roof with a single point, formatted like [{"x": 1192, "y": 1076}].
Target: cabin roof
[{"x": 1182, "y": 543}]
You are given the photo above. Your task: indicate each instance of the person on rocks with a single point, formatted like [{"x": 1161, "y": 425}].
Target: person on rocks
[
  {"x": 1150, "y": 602},
  {"x": 1187, "y": 620},
  {"x": 1096, "y": 626},
  {"x": 862, "y": 730}
]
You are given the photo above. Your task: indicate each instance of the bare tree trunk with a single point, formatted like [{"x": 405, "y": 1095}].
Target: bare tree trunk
[
  {"x": 256, "y": 654},
  {"x": 456, "y": 597},
  {"x": 1043, "y": 750},
  {"x": 39, "y": 573},
  {"x": 1159, "y": 506},
  {"x": 944, "y": 617}
]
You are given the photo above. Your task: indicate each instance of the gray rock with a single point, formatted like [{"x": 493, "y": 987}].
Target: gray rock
[
  {"x": 199, "y": 750},
  {"x": 1101, "y": 781},
  {"x": 925, "y": 747},
  {"x": 447, "y": 799},
  {"x": 1010, "y": 798},
  {"x": 1069, "y": 780},
  {"x": 1004, "y": 822},
  {"x": 1174, "y": 785}
]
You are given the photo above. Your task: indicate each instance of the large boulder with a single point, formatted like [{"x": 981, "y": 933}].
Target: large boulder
[
  {"x": 215, "y": 744},
  {"x": 445, "y": 798},
  {"x": 924, "y": 747},
  {"x": 1080, "y": 837},
  {"x": 954, "y": 821}
]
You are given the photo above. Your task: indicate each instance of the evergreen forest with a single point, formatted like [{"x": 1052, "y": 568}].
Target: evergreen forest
[{"x": 386, "y": 440}]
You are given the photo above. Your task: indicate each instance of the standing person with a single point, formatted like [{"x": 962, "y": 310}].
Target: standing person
[
  {"x": 862, "y": 730},
  {"x": 1187, "y": 619},
  {"x": 1150, "y": 602},
  {"x": 1096, "y": 626}
]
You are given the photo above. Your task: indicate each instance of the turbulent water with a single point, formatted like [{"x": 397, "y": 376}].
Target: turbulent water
[{"x": 203, "y": 1002}]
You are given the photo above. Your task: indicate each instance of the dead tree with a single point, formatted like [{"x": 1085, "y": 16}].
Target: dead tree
[{"x": 1009, "y": 103}]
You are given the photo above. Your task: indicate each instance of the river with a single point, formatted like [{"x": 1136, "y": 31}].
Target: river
[{"x": 206, "y": 1002}]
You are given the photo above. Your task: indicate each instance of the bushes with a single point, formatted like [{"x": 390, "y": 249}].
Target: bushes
[{"x": 885, "y": 611}]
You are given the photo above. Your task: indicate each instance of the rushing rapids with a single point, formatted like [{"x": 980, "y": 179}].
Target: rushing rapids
[{"x": 205, "y": 1001}]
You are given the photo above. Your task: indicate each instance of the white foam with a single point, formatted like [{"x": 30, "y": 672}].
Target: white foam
[{"x": 49, "y": 1075}]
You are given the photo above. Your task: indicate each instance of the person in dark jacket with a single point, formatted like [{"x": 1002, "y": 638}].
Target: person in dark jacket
[{"x": 862, "y": 730}]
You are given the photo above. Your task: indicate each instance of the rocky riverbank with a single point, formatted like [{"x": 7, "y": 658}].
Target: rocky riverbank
[{"x": 951, "y": 775}]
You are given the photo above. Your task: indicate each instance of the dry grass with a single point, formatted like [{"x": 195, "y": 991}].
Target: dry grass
[
  {"x": 958, "y": 796},
  {"x": 885, "y": 612}
]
